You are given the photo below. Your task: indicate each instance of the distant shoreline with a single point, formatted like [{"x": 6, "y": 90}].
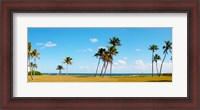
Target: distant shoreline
[{"x": 108, "y": 74}]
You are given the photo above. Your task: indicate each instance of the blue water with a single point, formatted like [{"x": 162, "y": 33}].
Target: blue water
[{"x": 108, "y": 74}]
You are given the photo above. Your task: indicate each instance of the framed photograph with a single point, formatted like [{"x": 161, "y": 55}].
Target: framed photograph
[{"x": 100, "y": 54}]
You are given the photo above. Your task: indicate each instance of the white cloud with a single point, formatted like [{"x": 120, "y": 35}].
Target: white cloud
[
  {"x": 88, "y": 50},
  {"x": 120, "y": 62},
  {"x": 38, "y": 44},
  {"x": 138, "y": 50},
  {"x": 93, "y": 40},
  {"x": 141, "y": 66},
  {"x": 50, "y": 44},
  {"x": 45, "y": 45}
]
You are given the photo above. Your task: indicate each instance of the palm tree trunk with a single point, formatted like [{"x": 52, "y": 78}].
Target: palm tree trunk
[
  {"x": 31, "y": 72},
  {"x": 157, "y": 67},
  {"x": 162, "y": 64},
  {"x": 34, "y": 72},
  {"x": 102, "y": 68},
  {"x": 97, "y": 67},
  {"x": 110, "y": 68},
  {"x": 34, "y": 69},
  {"x": 59, "y": 71},
  {"x": 152, "y": 63},
  {"x": 66, "y": 69},
  {"x": 29, "y": 62},
  {"x": 105, "y": 69}
]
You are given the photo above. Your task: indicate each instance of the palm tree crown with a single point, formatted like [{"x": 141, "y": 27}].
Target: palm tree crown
[
  {"x": 153, "y": 47},
  {"x": 59, "y": 67},
  {"x": 35, "y": 66},
  {"x": 29, "y": 49},
  {"x": 156, "y": 57},
  {"x": 115, "y": 41},
  {"x": 100, "y": 52},
  {"x": 112, "y": 50},
  {"x": 167, "y": 47},
  {"x": 106, "y": 56},
  {"x": 68, "y": 60},
  {"x": 35, "y": 54}
]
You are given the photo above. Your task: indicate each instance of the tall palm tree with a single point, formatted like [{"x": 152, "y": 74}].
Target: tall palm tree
[
  {"x": 112, "y": 50},
  {"x": 153, "y": 48},
  {"x": 29, "y": 58},
  {"x": 167, "y": 47},
  {"x": 99, "y": 55},
  {"x": 156, "y": 58},
  {"x": 35, "y": 55},
  {"x": 60, "y": 68},
  {"x": 115, "y": 41},
  {"x": 68, "y": 61}
]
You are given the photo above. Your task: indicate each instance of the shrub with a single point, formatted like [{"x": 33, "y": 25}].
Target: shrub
[
  {"x": 36, "y": 73},
  {"x": 167, "y": 74}
]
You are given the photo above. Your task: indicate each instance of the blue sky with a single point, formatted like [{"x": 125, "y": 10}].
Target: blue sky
[{"x": 54, "y": 44}]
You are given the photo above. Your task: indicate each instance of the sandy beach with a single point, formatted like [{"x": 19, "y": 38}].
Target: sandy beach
[{"x": 47, "y": 78}]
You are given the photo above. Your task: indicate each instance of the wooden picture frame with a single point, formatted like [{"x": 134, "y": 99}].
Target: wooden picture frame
[{"x": 100, "y": 6}]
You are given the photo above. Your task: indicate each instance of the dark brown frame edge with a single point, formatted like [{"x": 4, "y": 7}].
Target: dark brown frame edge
[{"x": 152, "y": 6}]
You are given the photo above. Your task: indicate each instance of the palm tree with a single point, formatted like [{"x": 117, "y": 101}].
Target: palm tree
[
  {"x": 153, "y": 48},
  {"x": 167, "y": 47},
  {"x": 67, "y": 60},
  {"x": 30, "y": 55},
  {"x": 112, "y": 50},
  {"x": 60, "y": 68},
  {"x": 156, "y": 58},
  {"x": 99, "y": 55},
  {"x": 115, "y": 42},
  {"x": 35, "y": 55}
]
